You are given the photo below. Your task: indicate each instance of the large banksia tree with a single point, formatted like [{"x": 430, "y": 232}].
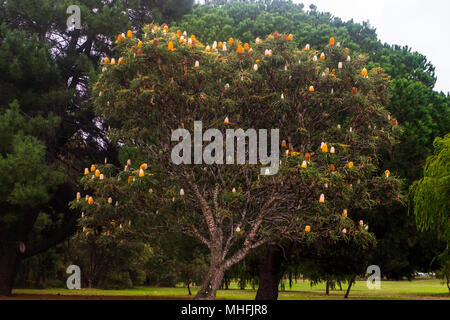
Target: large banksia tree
[{"x": 331, "y": 117}]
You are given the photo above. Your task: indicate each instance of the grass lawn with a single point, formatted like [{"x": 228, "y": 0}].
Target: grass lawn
[{"x": 301, "y": 290}]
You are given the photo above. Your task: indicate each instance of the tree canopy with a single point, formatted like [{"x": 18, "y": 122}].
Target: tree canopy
[{"x": 330, "y": 113}]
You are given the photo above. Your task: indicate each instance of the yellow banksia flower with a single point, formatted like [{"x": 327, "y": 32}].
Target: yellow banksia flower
[
  {"x": 143, "y": 166},
  {"x": 364, "y": 72},
  {"x": 322, "y": 198}
]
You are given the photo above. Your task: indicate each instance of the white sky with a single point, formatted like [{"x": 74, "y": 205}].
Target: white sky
[{"x": 423, "y": 25}]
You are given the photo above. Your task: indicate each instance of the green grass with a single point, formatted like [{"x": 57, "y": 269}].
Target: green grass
[{"x": 301, "y": 290}]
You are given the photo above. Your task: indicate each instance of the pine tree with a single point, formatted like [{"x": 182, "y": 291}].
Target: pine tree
[
  {"x": 27, "y": 186},
  {"x": 32, "y": 100}
]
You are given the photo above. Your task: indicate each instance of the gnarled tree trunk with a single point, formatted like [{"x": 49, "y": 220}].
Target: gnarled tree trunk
[
  {"x": 221, "y": 257},
  {"x": 211, "y": 284}
]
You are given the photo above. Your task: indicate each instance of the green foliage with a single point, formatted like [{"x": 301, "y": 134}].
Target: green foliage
[
  {"x": 401, "y": 250},
  {"x": 402, "y": 63},
  {"x": 431, "y": 199},
  {"x": 431, "y": 194},
  {"x": 412, "y": 102},
  {"x": 329, "y": 260},
  {"x": 48, "y": 269},
  {"x": 30, "y": 75},
  {"x": 167, "y": 11},
  {"x": 129, "y": 153},
  {"x": 30, "y": 181},
  {"x": 176, "y": 259},
  {"x": 30, "y": 100},
  {"x": 109, "y": 261}
]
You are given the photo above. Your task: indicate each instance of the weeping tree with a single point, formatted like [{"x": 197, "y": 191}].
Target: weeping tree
[
  {"x": 331, "y": 120},
  {"x": 430, "y": 200}
]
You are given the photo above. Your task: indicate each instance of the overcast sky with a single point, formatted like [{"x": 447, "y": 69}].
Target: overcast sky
[{"x": 423, "y": 25}]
